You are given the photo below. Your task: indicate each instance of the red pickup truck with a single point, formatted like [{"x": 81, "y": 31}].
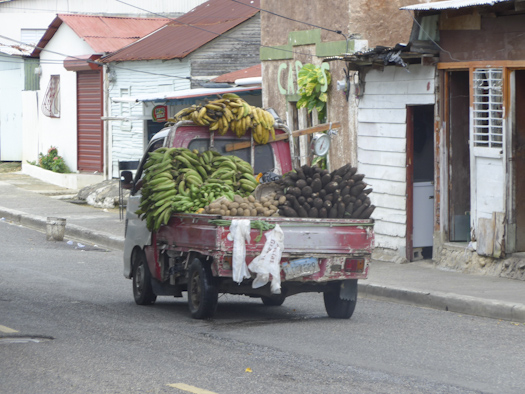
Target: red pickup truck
[{"x": 193, "y": 252}]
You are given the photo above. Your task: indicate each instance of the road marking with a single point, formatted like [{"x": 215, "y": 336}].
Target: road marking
[
  {"x": 190, "y": 389},
  {"x": 7, "y": 330}
]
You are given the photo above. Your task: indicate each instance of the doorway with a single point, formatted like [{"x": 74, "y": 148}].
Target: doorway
[
  {"x": 458, "y": 108},
  {"x": 420, "y": 181},
  {"x": 519, "y": 159}
]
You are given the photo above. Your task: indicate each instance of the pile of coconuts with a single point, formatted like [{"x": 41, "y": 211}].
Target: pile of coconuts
[{"x": 312, "y": 192}]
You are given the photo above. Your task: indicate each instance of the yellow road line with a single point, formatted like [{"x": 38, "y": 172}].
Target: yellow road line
[
  {"x": 7, "y": 330},
  {"x": 190, "y": 389}
]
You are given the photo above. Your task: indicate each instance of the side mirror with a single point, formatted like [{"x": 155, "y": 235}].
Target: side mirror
[{"x": 126, "y": 179}]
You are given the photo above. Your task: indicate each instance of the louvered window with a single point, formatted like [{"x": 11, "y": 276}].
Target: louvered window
[
  {"x": 51, "y": 103},
  {"x": 488, "y": 108}
]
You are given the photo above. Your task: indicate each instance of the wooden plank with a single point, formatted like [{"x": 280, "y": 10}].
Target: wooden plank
[
  {"x": 382, "y": 130},
  {"x": 499, "y": 234},
  {"x": 381, "y": 144},
  {"x": 485, "y": 236},
  {"x": 316, "y": 129},
  {"x": 396, "y": 116},
  {"x": 396, "y": 159}
]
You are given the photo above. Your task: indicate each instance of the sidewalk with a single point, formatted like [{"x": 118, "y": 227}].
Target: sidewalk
[{"x": 29, "y": 202}]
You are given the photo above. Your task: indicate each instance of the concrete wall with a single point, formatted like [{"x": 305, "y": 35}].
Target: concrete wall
[
  {"x": 11, "y": 85},
  {"x": 61, "y": 132},
  {"x": 381, "y": 22}
]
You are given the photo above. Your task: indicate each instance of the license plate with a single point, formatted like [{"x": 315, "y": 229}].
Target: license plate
[{"x": 300, "y": 267}]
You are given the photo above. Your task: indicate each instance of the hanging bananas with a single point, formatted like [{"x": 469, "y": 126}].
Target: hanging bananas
[{"x": 230, "y": 112}]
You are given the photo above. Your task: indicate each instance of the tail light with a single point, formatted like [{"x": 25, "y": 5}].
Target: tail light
[{"x": 354, "y": 265}]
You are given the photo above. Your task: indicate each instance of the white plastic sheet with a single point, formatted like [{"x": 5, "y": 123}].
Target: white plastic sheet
[
  {"x": 268, "y": 262},
  {"x": 239, "y": 234}
]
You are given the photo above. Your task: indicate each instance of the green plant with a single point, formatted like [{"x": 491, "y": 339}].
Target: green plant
[
  {"x": 52, "y": 161},
  {"x": 313, "y": 82}
]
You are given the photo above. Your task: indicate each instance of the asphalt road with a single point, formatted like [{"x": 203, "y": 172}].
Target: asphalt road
[{"x": 68, "y": 324}]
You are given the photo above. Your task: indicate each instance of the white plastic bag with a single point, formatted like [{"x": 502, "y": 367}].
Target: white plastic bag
[
  {"x": 268, "y": 262},
  {"x": 239, "y": 234}
]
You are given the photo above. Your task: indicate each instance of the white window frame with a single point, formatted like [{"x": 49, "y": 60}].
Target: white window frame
[{"x": 488, "y": 122}]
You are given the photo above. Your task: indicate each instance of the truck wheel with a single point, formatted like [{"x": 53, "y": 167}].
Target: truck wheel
[
  {"x": 142, "y": 289},
  {"x": 273, "y": 300},
  {"x": 202, "y": 291},
  {"x": 336, "y": 307}
]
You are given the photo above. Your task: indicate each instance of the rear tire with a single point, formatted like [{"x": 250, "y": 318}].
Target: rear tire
[
  {"x": 202, "y": 291},
  {"x": 142, "y": 289},
  {"x": 273, "y": 300},
  {"x": 336, "y": 307}
]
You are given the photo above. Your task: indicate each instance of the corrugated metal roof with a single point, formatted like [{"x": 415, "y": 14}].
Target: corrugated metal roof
[
  {"x": 250, "y": 72},
  {"x": 177, "y": 39},
  {"x": 15, "y": 50},
  {"x": 103, "y": 34},
  {"x": 452, "y": 4},
  {"x": 184, "y": 94}
]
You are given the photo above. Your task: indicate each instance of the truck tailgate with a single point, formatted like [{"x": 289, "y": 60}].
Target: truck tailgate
[{"x": 302, "y": 236}]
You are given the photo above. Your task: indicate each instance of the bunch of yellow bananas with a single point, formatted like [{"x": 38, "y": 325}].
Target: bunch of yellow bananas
[{"x": 230, "y": 112}]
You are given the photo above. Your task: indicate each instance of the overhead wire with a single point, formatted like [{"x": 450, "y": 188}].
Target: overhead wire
[
  {"x": 95, "y": 62},
  {"x": 290, "y": 19},
  {"x": 193, "y": 26},
  {"x": 215, "y": 33}
]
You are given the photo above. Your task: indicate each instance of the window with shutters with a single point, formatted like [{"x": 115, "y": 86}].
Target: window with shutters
[
  {"x": 487, "y": 117},
  {"x": 51, "y": 102}
]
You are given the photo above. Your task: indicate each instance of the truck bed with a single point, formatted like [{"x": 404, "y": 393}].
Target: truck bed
[{"x": 329, "y": 240}]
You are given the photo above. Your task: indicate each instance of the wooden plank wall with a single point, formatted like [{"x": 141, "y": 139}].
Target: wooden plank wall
[
  {"x": 128, "y": 138},
  {"x": 235, "y": 50},
  {"x": 382, "y": 145}
]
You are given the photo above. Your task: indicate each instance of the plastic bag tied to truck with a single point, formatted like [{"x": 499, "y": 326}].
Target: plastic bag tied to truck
[
  {"x": 268, "y": 262},
  {"x": 239, "y": 234}
]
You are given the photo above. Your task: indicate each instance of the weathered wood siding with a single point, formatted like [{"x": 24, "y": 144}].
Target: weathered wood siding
[
  {"x": 235, "y": 50},
  {"x": 381, "y": 143},
  {"x": 498, "y": 38},
  {"x": 128, "y": 138}
]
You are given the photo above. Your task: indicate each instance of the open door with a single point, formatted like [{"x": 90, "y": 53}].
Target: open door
[
  {"x": 519, "y": 159},
  {"x": 420, "y": 181},
  {"x": 458, "y": 106}
]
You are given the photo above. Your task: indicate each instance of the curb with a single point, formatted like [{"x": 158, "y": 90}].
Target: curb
[
  {"x": 72, "y": 230},
  {"x": 445, "y": 301}
]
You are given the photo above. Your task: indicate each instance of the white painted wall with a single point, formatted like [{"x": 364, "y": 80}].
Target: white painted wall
[
  {"x": 381, "y": 143},
  {"x": 99, "y": 6},
  {"x": 136, "y": 78},
  {"x": 11, "y": 85},
  {"x": 59, "y": 132}
]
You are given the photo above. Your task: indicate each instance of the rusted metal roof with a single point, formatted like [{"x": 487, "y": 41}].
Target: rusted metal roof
[
  {"x": 250, "y": 72},
  {"x": 186, "y": 96},
  {"x": 103, "y": 33},
  {"x": 185, "y": 34},
  {"x": 401, "y": 55},
  {"x": 452, "y": 4}
]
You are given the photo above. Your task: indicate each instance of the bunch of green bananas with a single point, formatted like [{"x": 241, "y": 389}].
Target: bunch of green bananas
[
  {"x": 181, "y": 180},
  {"x": 231, "y": 112}
]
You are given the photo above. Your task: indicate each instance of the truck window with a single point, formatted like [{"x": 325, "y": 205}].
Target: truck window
[
  {"x": 138, "y": 176},
  {"x": 264, "y": 159}
]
